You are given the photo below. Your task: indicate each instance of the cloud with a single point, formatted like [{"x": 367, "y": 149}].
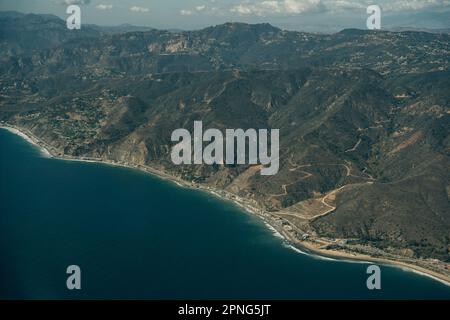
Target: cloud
[
  {"x": 200, "y": 8},
  {"x": 415, "y": 5},
  {"x": 104, "y": 7},
  {"x": 244, "y": 9},
  {"x": 271, "y": 5},
  {"x": 268, "y": 7},
  {"x": 259, "y": 9},
  {"x": 139, "y": 9},
  {"x": 184, "y": 12},
  {"x": 300, "y": 6},
  {"x": 387, "y": 5},
  {"x": 69, "y": 2},
  {"x": 347, "y": 5},
  {"x": 290, "y": 7}
]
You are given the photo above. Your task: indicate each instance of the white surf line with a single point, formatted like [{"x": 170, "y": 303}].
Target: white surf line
[
  {"x": 410, "y": 269},
  {"x": 289, "y": 246},
  {"x": 274, "y": 231},
  {"x": 43, "y": 150},
  {"x": 314, "y": 256},
  {"x": 324, "y": 257},
  {"x": 47, "y": 154}
]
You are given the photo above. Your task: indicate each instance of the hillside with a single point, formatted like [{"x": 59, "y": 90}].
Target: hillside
[{"x": 363, "y": 116}]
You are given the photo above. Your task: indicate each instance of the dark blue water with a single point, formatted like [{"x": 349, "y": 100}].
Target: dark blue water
[{"x": 136, "y": 236}]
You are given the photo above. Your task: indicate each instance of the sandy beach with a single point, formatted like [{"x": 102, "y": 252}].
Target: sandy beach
[{"x": 302, "y": 247}]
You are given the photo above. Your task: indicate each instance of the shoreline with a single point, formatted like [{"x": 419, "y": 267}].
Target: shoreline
[
  {"x": 303, "y": 247},
  {"x": 338, "y": 255}
]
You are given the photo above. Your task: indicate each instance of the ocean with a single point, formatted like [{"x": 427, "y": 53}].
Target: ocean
[{"x": 137, "y": 236}]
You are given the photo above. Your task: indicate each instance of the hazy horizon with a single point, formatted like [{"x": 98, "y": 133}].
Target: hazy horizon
[{"x": 302, "y": 15}]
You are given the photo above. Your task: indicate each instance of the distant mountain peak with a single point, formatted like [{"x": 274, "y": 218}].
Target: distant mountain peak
[
  {"x": 354, "y": 31},
  {"x": 238, "y": 26}
]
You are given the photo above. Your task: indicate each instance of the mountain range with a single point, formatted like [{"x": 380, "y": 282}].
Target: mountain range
[{"x": 363, "y": 116}]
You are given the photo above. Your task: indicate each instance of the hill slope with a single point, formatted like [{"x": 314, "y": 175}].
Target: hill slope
[{"x": 363, "y": 117}]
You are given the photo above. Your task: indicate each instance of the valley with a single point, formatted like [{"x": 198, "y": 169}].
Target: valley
[{"x": 363, "y": 116}]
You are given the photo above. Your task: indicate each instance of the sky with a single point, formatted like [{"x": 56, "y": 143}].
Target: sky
[{"x": 306, "y": 15}]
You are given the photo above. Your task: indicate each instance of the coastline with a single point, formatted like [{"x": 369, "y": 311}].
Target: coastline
[{"x": 303, "y": 247}]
